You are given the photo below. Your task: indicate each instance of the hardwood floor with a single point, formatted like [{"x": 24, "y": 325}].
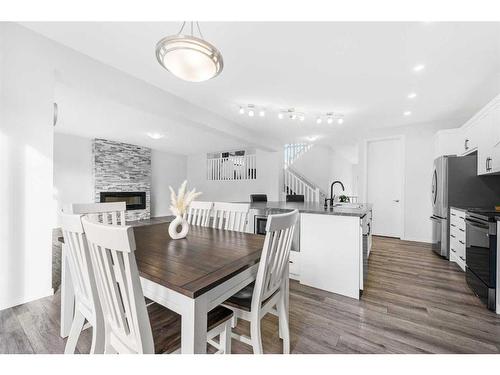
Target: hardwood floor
[{"x": 414, "y": 302}]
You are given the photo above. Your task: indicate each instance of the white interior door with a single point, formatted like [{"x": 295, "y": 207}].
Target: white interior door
[{"x": 384, "y": 179}]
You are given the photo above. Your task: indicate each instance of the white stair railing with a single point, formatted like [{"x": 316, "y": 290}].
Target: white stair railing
[
  {"x": 294, "y": 184},
  {"x": 294, "y": 151},
  {"x": 232, "y": 168}
]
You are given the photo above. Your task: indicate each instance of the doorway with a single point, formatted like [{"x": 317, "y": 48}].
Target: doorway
[{"x": 384, "y": 185}]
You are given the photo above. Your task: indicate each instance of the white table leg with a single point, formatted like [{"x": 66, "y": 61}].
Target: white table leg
[
  {"x": 194, "y": 326},
  {"x": 67, "y": 296}
]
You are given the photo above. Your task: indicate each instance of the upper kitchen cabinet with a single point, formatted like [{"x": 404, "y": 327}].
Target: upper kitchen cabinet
[
  {"x": 481, "y": 133},
  {"x": 488, "y": 156},
  {"x": 469, "y": 140}
]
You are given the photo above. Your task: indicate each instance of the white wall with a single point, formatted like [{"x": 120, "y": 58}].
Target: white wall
[
  {"x": 269, "y": 166},
  {"x": 26, "y": 144},
  {"x": 321, "y": 166},
  {"x": 315, "y": 165},
  {"x": 166, "y": 170},
  {"x": 419, "y": 149},
  {"x": 342, "y": 170},
  {"x": 73, "y": 180}
]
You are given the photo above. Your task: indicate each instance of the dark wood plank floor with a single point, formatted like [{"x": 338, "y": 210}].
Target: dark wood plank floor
[{"x": 414, "y": 302}]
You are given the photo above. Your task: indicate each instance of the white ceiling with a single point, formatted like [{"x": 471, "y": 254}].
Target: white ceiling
[{"x": 363, "y": 70}]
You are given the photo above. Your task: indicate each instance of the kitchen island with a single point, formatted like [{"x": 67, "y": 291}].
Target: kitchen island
[{"x": 332, "y": 244}]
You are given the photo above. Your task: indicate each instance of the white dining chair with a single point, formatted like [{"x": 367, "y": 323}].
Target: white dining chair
[
  {"x": 268, "y": 291},
  {"x": 87, "y": 305},
  {"x": 86, "y": 300},
  {"x": 107, "y": 213},
  {"x": 198, "y": 213},
  {"x": 230, "y": 216},
  {"x": 131, "y": 326}
]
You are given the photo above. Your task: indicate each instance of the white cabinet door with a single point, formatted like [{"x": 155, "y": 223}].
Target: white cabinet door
[
  {"x": 469, "y": 139},
  {"x": 488, "y": 156},
  {"x": 495, "y": 124},
  {"x": 494, "y": 163}
]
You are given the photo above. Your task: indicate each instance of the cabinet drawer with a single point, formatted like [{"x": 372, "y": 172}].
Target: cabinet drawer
[
  {"x": 458, "y": 234},
  {"x": 456, "y": 257},
  {"x": 457, "y": 219}
]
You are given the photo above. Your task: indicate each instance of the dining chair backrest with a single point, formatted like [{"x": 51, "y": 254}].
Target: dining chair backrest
[
  {"x": 107, "y": 213},
  {"x": 258, "y": 198},
  {"x": 111, "y": 247},
  {"x": 79, "y": 263},
  {"x": 275, "y": 256},
  {"x": 230, "y": 216},
  {"x": 198, "y": 213},
  {"x": 295, "y": 198}
]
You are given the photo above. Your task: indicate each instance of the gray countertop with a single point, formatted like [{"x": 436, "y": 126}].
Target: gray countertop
[{"x": 314, "y": 208}]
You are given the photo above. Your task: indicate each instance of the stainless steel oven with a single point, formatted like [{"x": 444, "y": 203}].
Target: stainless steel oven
[{"x": 481, "y": 255}]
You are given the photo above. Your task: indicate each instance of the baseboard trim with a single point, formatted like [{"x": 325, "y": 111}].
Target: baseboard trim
[{"x": 25, "y": 299}]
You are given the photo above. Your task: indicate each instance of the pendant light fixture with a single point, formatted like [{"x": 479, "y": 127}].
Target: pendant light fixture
[{"x": 189, "y": 57}]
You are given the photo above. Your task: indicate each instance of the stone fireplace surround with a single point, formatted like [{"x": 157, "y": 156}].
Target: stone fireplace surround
[{"x": 122, "y": 167}]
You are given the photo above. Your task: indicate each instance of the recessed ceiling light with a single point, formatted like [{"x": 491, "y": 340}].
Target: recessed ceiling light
[
  {"x": 340, "y": 121},
  {"x": 262, "y": 113},
  {"x": 412, "y": 95},
  {"x": 242, "y": 110},
  {"x": 407, "y": 113},
  {"x": 330, "y": 120},
  {"x": 319, "y": 120},
  {"x": 418, "y": 68},
  {"x": 250, "y": 112},
  {"x": 155, "y": 135},
  {"x": 280, "y": 115}
]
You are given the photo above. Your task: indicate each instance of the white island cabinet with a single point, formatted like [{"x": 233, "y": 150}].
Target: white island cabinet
[{"x": 331, "y": 253}]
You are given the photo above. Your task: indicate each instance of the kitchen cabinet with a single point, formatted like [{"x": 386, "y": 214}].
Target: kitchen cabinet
[
  {"x": 479, "y": 134},
  {"x": 469, "y": 139},
  {"x": 457, "y": 237},
  {"x": 489, "y": 149}
]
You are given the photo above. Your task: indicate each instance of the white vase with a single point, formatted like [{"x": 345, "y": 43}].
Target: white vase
[{"x": 173, "y": 230}]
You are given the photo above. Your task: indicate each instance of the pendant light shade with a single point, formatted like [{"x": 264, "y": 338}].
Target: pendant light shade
[{"x": 188, "y": 57}]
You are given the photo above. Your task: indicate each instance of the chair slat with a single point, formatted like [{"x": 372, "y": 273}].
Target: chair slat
[{"x": 230, "y": 216}]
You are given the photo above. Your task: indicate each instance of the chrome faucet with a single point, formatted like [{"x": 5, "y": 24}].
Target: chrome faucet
[{"x": 332, "y": 196}]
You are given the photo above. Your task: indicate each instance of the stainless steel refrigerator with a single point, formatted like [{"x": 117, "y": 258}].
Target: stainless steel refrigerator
[{"x": 455, "y": 183}]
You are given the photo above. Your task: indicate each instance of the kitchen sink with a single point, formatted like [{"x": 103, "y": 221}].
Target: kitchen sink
[{"x": 347, "y": 205}]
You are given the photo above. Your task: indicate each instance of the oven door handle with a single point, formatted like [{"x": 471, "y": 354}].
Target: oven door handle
[{"x": 477, "y": 225}]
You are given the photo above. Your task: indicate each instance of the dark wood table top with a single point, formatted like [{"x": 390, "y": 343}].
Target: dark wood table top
[{"x": 192, "y": 266}]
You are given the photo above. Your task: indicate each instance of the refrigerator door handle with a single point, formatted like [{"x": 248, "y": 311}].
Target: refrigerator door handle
[{"x": 436, "y": 219}]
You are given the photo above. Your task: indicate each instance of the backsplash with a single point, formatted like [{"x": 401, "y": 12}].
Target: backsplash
[{"x": 121, "y": 167}]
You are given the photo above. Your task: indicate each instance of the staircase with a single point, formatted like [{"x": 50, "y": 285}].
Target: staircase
[
  {"x": 294, "y": 151},
  {"x": 295, "y": 183}
]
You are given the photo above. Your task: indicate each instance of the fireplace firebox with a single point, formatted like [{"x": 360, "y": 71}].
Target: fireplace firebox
[{"x": 135, "y": 200}]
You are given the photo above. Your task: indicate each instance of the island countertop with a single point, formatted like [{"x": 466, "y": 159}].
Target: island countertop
[{"x": 349, "y": 209}]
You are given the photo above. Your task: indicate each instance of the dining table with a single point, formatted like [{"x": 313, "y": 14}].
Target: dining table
[{"x": 190, "y": 276}]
